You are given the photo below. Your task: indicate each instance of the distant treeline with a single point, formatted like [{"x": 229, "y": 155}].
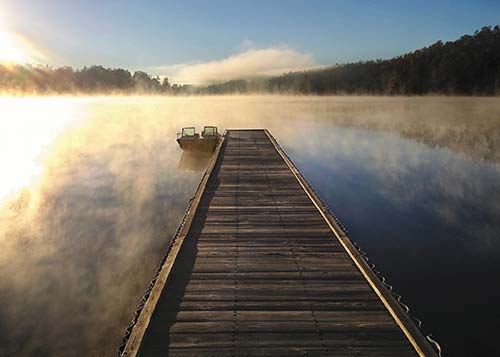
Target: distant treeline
[
  {"x": 93, "y": 79},
  {"x": 468, "y": 66}
]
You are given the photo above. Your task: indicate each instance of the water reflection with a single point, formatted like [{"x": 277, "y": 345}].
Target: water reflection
[
  {"x": 79, "y": 246},
  {"x": 95, "y": 188},
  {"x": 428, "y": 218},
  {"x": 194, "y": 161},
  {"x": 27, "y": 129}
]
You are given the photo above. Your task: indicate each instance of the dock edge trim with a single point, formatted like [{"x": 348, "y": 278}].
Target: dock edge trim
[
  {"x": 139, "y": 328},
  {"x": 404, "y": 322}
]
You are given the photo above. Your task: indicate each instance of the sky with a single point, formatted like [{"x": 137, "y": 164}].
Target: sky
[{"x": 201, "y": 41}]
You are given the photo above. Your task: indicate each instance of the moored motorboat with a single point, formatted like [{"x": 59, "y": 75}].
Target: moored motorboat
[{"x": 188, "y": 139}]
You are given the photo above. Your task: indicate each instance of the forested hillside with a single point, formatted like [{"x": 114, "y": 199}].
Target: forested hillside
[
  {"x": 468, "y": 66},
  {"x": 88, "y": 80}
]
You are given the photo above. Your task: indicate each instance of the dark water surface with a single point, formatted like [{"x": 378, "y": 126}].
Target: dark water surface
[{"x": 92, "y": 189}]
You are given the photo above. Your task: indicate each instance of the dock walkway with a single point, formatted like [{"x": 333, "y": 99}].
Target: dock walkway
[{"x": 259, "y": 268}]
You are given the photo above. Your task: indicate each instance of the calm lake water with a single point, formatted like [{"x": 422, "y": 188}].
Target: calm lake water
[{"x": 92, "y": 189}]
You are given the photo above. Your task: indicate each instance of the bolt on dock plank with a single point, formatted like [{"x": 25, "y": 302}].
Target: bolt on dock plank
[{"x": 260, "y": 268}]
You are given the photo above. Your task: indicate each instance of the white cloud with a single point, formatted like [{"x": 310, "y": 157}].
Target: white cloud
[{"x": 247, "y": 64}]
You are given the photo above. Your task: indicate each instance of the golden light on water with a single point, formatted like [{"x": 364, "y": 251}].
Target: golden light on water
[
  {"x": 28, "y": 127},
  {"x": 99, "y": 185}
]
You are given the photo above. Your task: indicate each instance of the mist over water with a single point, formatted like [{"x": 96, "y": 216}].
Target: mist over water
[{"x": 92, "y": 189}]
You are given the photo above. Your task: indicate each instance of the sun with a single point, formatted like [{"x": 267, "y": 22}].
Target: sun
[
  {"x": 15, "y": 48},
  {"x": 11, "y": 48}
]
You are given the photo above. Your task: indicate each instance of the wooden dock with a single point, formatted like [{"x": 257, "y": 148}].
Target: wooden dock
[{"x": 260, "y": 268}]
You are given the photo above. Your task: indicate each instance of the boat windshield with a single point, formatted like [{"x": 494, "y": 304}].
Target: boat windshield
[
  {"x": 209, "y": 131},
  {"x": 188, "y": 131}
]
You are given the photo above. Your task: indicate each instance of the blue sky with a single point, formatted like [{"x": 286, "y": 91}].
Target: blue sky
[{"x": 160, "y": 34}]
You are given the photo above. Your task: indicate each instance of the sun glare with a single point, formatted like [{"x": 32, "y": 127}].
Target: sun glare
[
  {"x": 15, "y": 48},
  {"x": 27, "y": 130},
  {"x": 10, "y": 51}
]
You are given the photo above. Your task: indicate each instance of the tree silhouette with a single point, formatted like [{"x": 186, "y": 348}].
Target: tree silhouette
[{"x": 467, "y": 66}]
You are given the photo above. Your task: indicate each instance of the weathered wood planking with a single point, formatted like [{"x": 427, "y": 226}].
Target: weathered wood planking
[{"x": 261, "y": 269}]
